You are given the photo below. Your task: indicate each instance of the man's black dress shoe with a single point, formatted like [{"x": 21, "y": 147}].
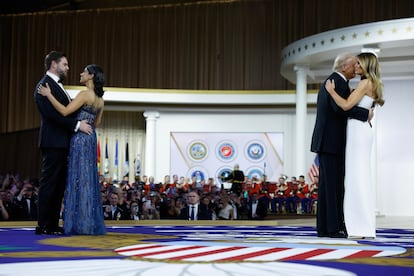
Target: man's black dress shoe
[
  {"x": 338, "y": 235},
  {"x": 42, "y": 231},
  {"x": 58, "y": 230},
  {"x": 46, "y": 231}
]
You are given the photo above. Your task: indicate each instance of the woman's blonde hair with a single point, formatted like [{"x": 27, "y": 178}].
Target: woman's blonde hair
[{"x": 371, "y": 70}]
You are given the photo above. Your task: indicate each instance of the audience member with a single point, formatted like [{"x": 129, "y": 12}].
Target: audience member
[
  {"x": 147, "y": 203},
  {"x": 26, "y": 203},
  {"x": 278, "y": 201},
  {"x": 237, "y": 206},
  {"x": 257, "y": 208},
  {"x": 135, "y": 213},
  {"x": 4, "y": 214},
  {"x": 193, "y": 209},
  {"x": 225, "y": 210},
  {"x": 302, "y": 204},
  {"x": 151, "y": 207},
  {"x": 114, "y": 211}
]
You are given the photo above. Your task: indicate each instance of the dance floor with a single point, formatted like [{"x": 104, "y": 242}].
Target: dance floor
[{"x": 277, "y": 247}]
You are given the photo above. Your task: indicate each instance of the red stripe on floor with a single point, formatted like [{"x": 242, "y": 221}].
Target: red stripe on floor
[
  {"x": 254, "y": 254},
  {"x": 167, "y": 251},
  {"x": 307, "y": 255},
  {"x": 227, "y": 249},
  {"x": 364, "y": 254}
]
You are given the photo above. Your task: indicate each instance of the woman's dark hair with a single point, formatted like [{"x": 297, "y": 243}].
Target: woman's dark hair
[{"x": 98, "y": 78}]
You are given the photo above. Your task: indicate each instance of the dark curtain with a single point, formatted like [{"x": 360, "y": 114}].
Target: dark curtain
[
  {"x": 20, "y": 154},
  {"x": 199, "y": 45}
]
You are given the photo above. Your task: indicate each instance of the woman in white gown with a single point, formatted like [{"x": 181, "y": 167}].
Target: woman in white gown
[{"x": 359, "y": 199}]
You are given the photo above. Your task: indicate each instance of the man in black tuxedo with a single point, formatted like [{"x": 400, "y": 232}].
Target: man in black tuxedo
[
  {"x": 114, "y": 210},
  {"x": 328, "y": 141},
  {"x": 54, "y": 136},
  {"x": 26, "y": 203},
  {"x": 194, "y": 209},
  {"x": 257, "y": 208}
]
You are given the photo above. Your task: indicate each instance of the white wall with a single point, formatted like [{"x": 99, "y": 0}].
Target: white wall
[
  {"x": 225, "y": 122},
  {"x": 395, "y": 149}
]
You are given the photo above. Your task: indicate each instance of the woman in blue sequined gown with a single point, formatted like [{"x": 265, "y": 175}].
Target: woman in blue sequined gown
[
  {"x": 83, "y": 213},
  {"x": 359, "y": 199}
]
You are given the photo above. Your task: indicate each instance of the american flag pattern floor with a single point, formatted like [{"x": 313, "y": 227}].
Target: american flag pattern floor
[{"x": 206, "y": 250}]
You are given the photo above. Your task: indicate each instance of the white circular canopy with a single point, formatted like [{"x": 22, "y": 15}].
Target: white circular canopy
[{"x": 392, "y": 41}]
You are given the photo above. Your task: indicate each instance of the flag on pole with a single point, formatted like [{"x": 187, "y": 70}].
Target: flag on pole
[
  {"x": 314, "y": 169},
  {"x": 98, "y": 154},
  {"x": 126, "y": 169},
  {"x": 137, "y": 162},
  {"x": 106, "y": 164},
  {"x": 115, "y": 178}
]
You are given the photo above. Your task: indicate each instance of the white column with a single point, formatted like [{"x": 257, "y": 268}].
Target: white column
[
  {"x": 151, "y": 119},
  {"x": 301, "y": 110}
]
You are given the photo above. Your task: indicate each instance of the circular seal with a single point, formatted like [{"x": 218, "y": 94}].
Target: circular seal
[
  {"x": 255, "y": 172},
  {"x": 223, "y": 173},
  {"x": 198, "y": 172},
  {"x": 197, "y": 150},
  {"x": 255, "y": 151},
  {"x": 226, "y": 151}
]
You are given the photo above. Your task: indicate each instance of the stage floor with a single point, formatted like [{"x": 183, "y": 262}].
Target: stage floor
[{"x": 270, "y": 247}]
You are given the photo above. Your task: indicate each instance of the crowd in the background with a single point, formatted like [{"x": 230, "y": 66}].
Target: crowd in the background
[{"x": 143, "y": 199}]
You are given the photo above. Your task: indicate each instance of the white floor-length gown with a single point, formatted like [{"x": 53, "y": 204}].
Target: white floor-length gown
[{"x": 359, "y": 200}]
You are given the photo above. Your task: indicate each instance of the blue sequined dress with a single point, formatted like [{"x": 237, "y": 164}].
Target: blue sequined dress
[{"x": 83, "y": 213}]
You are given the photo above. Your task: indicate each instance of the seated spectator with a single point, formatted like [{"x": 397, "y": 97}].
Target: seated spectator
[
  {"x": 139, "y": 183},
  {"x": 151, "y": 207},
  {"x": 256, "y": 186},
  {"x": 193, "y": 209},
  {"x": 7, "y": 199},
  {"x": 225, "y": 210},
  {"x": 153, "y": 187},
  {"x": 278, "y": 201},
  {"x": 26, "y": 203},
  {"x": 313, "y": 190},
  {"x": 257, "y": 208},
  {"x": 303, "y": 196},
  {"x": 135, "y": 213},
  {"x": 206, "y": 201},
  {"x": 114, "y": 211},
  {"x": 173, "y": 209},
  {"x": 124, "y": 198},
  {"x": 165, "y": 185},
  {"x": 271, "y": 189},
  {"x": 237, "y": 206},
  {"x": 4, "y": 214},
  {"x": 172, "y": 190},
  {"x": 208, "y": 186},
  {"x": 291, "y": 197},
  {"x": 182, "y": 186}
]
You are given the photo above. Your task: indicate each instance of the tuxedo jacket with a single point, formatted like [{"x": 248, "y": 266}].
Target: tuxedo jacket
[
  {"x": 22, "y": 209},
  {"x": 119, "y": 214},
  {"x": 329, "y": 135},
  {"x": 261, "y": 209},
  {"x": 203, "y": 213},
  {"x": 55, "y": 129}
]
